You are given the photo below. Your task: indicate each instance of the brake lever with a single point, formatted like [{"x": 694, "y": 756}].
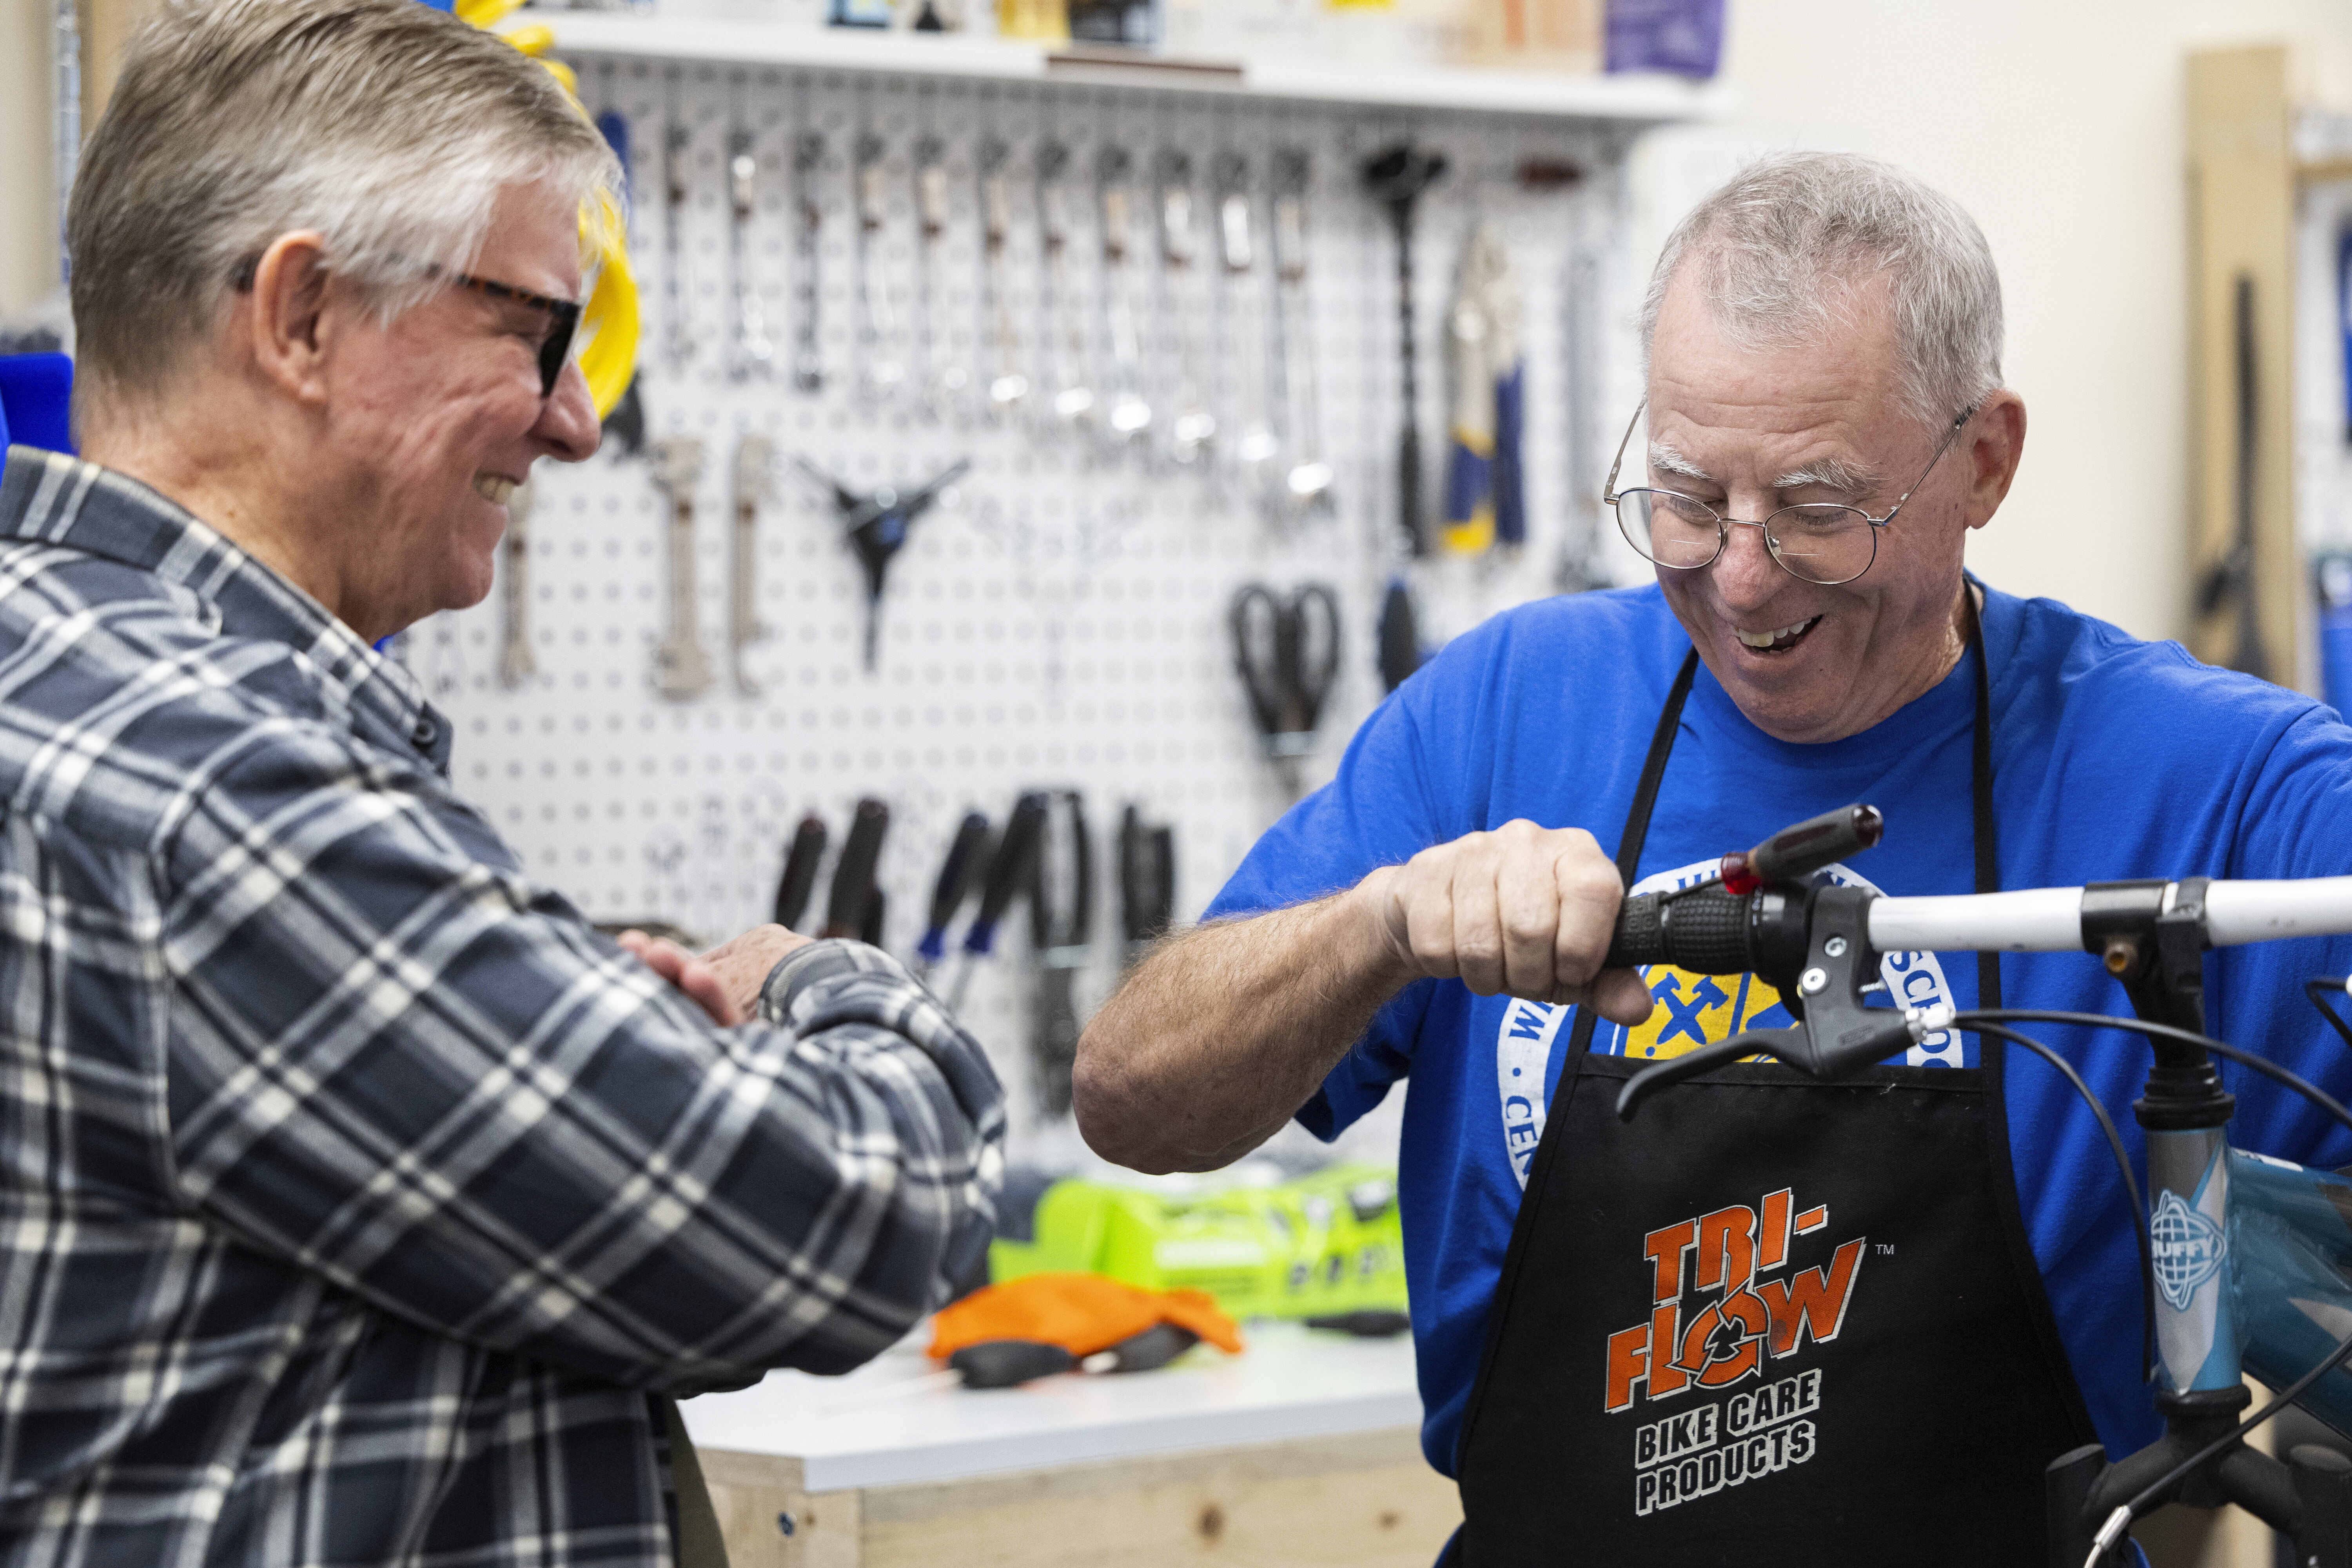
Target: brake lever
[{"x": 1835, "y": 1034}]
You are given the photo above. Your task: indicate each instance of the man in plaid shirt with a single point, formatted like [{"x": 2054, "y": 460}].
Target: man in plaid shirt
[{"x": 359, "y": 1203}]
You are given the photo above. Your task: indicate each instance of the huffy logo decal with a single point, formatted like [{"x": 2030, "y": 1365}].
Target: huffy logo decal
[{"x": 2189, "y": 1249}]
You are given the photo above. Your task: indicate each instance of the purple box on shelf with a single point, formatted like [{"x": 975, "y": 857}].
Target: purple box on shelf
[{"x": 1681, "y": 37}]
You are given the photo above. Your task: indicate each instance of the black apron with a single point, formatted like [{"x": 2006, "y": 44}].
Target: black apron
[{"x": 1771, "y": 1321}]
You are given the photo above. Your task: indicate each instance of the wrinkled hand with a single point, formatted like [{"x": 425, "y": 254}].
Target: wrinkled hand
[
  {"x": 725, "y": 981},
  {"x": 1524, "y": 910}
]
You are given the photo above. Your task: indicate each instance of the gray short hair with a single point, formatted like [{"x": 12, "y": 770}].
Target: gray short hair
[
  {"x": 1784, "y": 242},
  {"x": 386, "y": 125}
]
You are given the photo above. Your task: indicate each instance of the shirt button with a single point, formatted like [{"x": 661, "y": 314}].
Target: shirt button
[{"x": 423, "y": 734}]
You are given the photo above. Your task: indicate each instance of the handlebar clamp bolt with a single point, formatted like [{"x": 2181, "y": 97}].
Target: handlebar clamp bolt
[
  {"x": 2121, "y": 955},
  {"x": 1835, "y": 947},
  {"x": 1813, "y": 980}
]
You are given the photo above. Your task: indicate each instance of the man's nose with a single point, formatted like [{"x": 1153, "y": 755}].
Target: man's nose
[
  {"x": 1745, "y": 573},
  {"x": 567, "y": 424}
]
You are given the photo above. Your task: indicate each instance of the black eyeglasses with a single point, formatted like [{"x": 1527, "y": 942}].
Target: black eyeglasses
[
  {"x": 563, "y": 315},
  {"x": 1819, "y": 541}
]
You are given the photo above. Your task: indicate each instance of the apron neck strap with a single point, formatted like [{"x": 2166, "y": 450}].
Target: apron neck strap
[{"x": 1988, "y": 837}]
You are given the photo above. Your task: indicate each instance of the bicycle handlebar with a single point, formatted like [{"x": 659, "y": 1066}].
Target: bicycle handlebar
[{"x": 1708, "y": 931}]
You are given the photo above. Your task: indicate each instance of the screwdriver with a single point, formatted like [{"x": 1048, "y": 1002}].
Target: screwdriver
[
  {"x": 1015, "y": 856},
  {"x": 1147, "y": 883},
  {"x": 850, "y": 908},
  {"x": 966, "y": 866},
  {"x": 799, "y": 880}
]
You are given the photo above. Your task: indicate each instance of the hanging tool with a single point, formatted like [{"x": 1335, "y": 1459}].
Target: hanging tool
[
  {"x": 1073, "y": 400},
  {"x": 1400, "y": 635},
  {"x": 754, "y": 463},
  {"x": 2231, "y": 580},
  {"x": 752, "y": 352},
  {"x": 808, "y": 165},
  {"x": 1129, "y": 416},
  {"x": 799, "y": 878},
  {"x": 516, "y": 664},
  {"x": 1147, "y": 883},
  {"x": 1485, "y": 504},
  {"x": 1308, "y": 480},
  {"x": 1008, "y": 877},
  {"x": 877, "y": 525},
  {"x": 1396, "y": 177},
  {"x": 961, "y": 875},
  {"x": 1193, "y": 427},
  {"x": 1582, "y": 565},
  {"x": 681, "y": 668},
  {"x": 1007, "y": 387},
  {"x": 945, "y": 380},
  {"x": 879, "y": 329},
  {"x": 849, "y": 908},
  {"x": 678, "y": 173},
  {"x": 1288, "y": 653},
  {"x": 1255, "y": 445},
  {"x": 2344, "y": 318},
  {"x": 1061, "y": 926}
]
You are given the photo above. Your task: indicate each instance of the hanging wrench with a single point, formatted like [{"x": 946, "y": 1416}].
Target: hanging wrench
[
  {"x": 754, "y": 461},
  {"x": 1309, "y": 478},
  {"x": 753, "y": 352},
  {"x": 515, "y": 662},
  {"x": 945, "y": 379},
  {"x": 681, "y": 668},
  {"x": 678, "y": 159},
  {"x": 808, "y": 162},
  {"x": 878, "y": 334},
  {"x": 1256, "y": 446},
  {"x": 1008, "y": 389},
  {"x": 1073, "y": 400},
  {"x": 1190, "y": 433},
  {"x": 1130, "y": 415}
]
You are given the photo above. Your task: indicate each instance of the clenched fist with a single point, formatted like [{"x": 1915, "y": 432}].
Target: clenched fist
[{"x": 1523, "y": 909}]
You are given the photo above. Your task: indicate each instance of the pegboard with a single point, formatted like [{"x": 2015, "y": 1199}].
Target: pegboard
[{"x": 1060, "y": 619}]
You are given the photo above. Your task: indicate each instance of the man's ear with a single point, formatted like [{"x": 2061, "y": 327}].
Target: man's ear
[
  {"x": 1996, "y": 444},
  {"x": 287, "y": 305}
]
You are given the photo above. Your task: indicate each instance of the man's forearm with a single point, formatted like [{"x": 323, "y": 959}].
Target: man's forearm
[{"x": 1222, "y": 1033}]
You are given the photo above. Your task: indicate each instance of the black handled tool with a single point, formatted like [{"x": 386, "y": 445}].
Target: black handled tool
[
  {"x": 1400, "y": 635},
  {"x": 2231, "y": 580},
  {"x": 1287, "y": 652},
  {"x": 1008, "y": 877},
  {"x": 1061, "y": 925},
  {"x": 799, "y": 880},
  {"x": 1396, "y": 176},
  {"x": 849, "y": 910},
  {"x": 877, "y": 525},
  {"x": 959, "y": 875},
  {"x": 1147, "y": 882}
]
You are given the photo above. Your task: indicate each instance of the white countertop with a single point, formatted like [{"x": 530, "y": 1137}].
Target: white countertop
[{"x": 1289, "y": 1382}]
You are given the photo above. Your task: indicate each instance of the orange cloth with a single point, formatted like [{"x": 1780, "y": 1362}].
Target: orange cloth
[{"x": 1083, "y": 1313}]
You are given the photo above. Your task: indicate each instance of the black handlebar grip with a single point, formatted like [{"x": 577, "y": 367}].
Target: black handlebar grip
[
  {"x": 1705, "y": 932},
  {"x": 799, "y": 879}
]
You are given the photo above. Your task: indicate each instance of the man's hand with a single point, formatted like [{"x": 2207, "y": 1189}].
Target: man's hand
[
  {"x": 1523, "y": 909},
  {"x": 725, "y": 981}
]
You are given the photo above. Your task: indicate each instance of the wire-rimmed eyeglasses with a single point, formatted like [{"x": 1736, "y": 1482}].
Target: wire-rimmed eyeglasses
[{"x": 1821, "y": 542}]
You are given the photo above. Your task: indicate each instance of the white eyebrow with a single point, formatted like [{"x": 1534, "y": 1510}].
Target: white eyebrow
[
  {"x": 1831, "y": 474},
  {"x": 1665, "y": 459}
]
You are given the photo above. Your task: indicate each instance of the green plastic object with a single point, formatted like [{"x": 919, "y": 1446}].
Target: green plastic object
[{"x": 1325, "y": 1244}]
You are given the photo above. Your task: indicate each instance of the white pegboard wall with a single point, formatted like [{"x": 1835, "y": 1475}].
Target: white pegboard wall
[{"x": 1060, "y": 620}]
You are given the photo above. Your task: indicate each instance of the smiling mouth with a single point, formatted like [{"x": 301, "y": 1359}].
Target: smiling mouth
[
  {"x": 1778, "y": 641},
  {"x": 494, "y": 488}
]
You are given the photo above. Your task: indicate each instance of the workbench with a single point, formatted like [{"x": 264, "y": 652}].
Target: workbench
[{"x": 1303, "y": 1450}]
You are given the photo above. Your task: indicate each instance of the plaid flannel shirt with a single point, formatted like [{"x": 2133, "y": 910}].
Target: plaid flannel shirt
[{"x": 354, "y": 1193}]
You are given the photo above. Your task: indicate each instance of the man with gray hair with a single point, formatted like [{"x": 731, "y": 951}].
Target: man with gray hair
[
  {"x": 361, "y": 1204},
  {"x": 1773, "y": 1321}
]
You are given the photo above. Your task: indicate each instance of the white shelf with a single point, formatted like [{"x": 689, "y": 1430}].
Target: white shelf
[
  {"x": 1637, "y": 99},
  {"x": 852, "y": 1431}
]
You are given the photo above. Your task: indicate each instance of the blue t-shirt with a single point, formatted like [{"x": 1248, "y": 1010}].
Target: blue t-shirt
[{"x": 2113, "y": 759}]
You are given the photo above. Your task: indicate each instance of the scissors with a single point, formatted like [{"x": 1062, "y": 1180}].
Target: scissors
[{"x": 1287, "y": 652}]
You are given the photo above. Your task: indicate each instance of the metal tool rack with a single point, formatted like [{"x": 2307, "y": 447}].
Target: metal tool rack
[{"x": 1059, "y": 620}]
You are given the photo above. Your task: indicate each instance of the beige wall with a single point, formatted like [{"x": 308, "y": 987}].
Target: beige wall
[
  {"x": 28, "y": 224},
  {"x": 2058, "y": 123}
]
